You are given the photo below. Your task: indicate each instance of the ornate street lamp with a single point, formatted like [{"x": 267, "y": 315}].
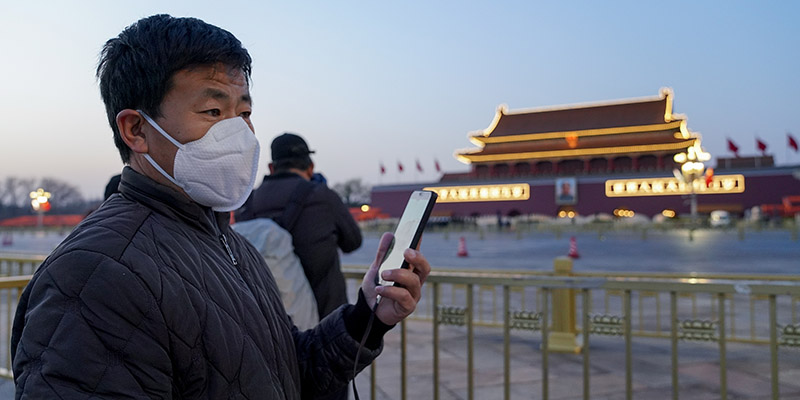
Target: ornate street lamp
[
  {"x": 40, "y": 202},
  {"x": 692, "y": 169}
]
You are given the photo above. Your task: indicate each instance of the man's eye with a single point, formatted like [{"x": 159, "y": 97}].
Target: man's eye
[
  {"x": 213, "y": 112},
  {"x": 246, "y": 114}
]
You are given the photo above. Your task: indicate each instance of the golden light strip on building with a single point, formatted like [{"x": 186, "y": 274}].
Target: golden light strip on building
[
  {"x": 470, "y": 158},
  {"x": 720, "y": 184},
  {"x": 480, "y": 140},
  {"x": 500, "y": 192}
]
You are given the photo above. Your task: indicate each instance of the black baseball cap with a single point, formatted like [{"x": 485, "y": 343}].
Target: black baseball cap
[{"x": 288, "y": 146}]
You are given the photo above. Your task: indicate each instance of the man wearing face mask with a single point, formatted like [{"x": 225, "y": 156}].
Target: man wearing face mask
[{"x": 152, "y": 295}]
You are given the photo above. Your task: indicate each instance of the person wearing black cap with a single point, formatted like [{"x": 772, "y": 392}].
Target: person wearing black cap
[{"x": 320, "y": 224}]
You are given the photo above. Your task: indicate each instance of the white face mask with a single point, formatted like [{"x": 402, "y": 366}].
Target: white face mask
[{"x": 219, "y": 169}]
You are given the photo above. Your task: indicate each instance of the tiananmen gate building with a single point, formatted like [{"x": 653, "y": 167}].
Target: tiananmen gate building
[{"x": 594, "y": 158}]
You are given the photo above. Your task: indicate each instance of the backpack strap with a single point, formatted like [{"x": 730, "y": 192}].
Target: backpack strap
[{"x": 297, "y": 199}]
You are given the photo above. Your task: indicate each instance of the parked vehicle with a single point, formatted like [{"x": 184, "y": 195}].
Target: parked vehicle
[{"x": 720, "y": 219}]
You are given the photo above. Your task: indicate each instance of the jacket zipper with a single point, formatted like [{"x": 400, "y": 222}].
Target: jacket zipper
[{"x": 224, "y": 240}]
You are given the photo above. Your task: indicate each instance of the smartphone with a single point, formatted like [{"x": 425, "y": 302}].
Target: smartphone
[{"x": 408, "y": 232}]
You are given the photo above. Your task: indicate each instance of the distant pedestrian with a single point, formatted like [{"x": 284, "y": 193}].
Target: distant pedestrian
[
  {"x": 299, "y": 200},
  {"x": 112, "y": 186}
]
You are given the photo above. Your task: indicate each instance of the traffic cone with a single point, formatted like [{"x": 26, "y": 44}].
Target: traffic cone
[
  {"x": 462, "y": 247},
  {"x": 573, "y": 248}
]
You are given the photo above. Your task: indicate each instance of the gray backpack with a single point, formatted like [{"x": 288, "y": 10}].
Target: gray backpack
[{"x": 275, "y": 245}]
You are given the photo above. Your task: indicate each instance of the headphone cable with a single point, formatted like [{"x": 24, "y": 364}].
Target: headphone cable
[{"x": 361, "y": 344}]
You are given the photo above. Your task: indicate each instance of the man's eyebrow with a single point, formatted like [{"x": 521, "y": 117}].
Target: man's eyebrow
[
  {"x": 220, "y": 95},
  {"x": 216, "y": 94}
]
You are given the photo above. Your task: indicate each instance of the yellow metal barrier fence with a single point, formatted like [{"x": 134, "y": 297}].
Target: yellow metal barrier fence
[
  {"x": 651, "y": 317},
  {"x": 15, "y": 272},
  {"x": 706, "y": 308},
  {"x": 15, "y": 265},
  {"x": 700, "y": 309},
  {"x": 10, "y": 290}
]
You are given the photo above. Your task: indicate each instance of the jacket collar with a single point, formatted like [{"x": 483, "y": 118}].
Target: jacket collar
[
  {"x": 171, "y": 203},
  {"x": 282, "y": 175}
]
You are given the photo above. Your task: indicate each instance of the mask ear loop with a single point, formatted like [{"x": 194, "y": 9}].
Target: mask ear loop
[
  {"x": 171, "y": 139},
  {"x": 161, "y": 131}
]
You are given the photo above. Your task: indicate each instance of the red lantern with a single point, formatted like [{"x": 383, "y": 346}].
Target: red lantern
[{"x": 709, "y": 176}]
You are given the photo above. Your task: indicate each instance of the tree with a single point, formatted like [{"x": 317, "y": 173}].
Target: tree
[
  {"x": 14, "y": 192},
  {"x": 15, "y": 197},
  {"x": 353, "y": 192}
]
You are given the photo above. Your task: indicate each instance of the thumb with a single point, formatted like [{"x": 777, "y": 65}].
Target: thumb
[
  {"x": 383, "y": 248},
  {"x": 370, "y": 279}
]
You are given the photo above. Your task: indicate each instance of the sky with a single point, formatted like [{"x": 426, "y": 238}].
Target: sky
[{"x": 386, "y": 82}]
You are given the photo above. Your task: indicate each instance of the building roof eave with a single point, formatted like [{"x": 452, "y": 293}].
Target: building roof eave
[
  {"x": 501, "y": 110},
  {"x": 476, "y": 157},
  {"x": 483, "y": 140}
]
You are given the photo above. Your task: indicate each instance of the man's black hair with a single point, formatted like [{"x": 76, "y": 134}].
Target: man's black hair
[
  {"x": 301, "y": 163},
  {"x": 136, "y": 67}
]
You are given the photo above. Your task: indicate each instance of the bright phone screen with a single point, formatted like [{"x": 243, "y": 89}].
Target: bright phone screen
[{"x": 406, "y": 228}]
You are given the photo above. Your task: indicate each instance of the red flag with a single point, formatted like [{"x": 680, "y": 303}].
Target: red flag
[
  {"x": 761, "y": 146},
  {"x": 792, "y": 142},
  {"x": 419, "y": 166},
  {"x": 399, "y": 166},
  {"x": 383, "y": 169},
  {"x": 733, "y": 148},
  {"x": 439, "y": 169}
]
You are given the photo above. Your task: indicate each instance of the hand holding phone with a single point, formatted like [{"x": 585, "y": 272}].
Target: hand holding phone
[
  {"x": 408, "y": 231},
  {"x": 402, "y": 297}
]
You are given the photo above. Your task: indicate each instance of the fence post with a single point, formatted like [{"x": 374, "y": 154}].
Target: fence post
[{"x": 563, "y": 335}]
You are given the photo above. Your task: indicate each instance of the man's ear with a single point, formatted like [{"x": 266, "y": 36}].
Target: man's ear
[
  {"x": 309, "y": 171},
  {"x": 130, "y": 124}
]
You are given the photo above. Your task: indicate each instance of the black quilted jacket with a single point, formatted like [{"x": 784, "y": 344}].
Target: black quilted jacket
[{"x": 153, "y": 297}]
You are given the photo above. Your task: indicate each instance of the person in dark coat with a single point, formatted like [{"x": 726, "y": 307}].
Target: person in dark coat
[
  {"x": 153, "y": 295},
  {"x": 112, "y": 186},
  {"x": 314, "y": 214}
]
